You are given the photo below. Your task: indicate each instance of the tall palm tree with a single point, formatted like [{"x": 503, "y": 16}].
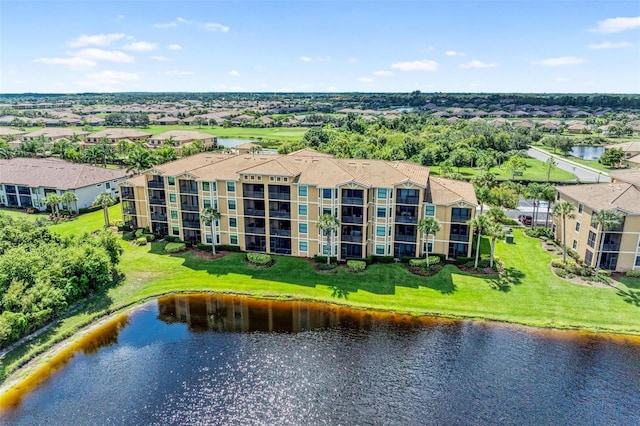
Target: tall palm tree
[
  {"x": 53, "y": 201},
  {"x": 549, "y": 195},
  {"x": 605, "y": 221},
  {"x": 209, "y": 216},
  {"x": 428, "y": 226},
  {"x": 105, "y": 200},
  {"x": 534, "y": 191},
  {"x": 478, "y": 223},
  {"x": 564, "y": 210},
  {"x": 483, "y": 195},
  {"x": 68, "y": 198},
  {"x": 139, "y": 160},
  {"x": 496, "y": 232},
  {"x": 328, "y": 224}
]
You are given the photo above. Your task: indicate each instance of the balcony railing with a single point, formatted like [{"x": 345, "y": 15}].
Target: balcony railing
[
  {"x": 128, "y": 194},
  {"x": 190, "y": 207},
  {"x": 407, "y": 200},
  {"x": 280, "y": 214},
  {"x": 406, "y": 219},
  {"x": 281, "y": 250},
  {"x": 459, "y": 237},
  {"x": 410, "y": 238},
  {"x": 460, "y": 219},
  {"x": 158, "y": 201},
  {"x": 279, "y": 195},
  {"x": 254, "y": 230},
  {"x": 254, "y": 212},
  {"x": 346, "y": 238},
  {"x": 280, "y": 232},
  {"x": 160, "y": 217},
  {"x": 191, "y": 224},
  {"x": 155, "y": 184},
  {"x": 352, "y": 219},
  {"x": 188, "y": 190},
  {"x": 357, "y": 201},
  {"x": 254, "y": 194},
  {"x": 611, "y": 247}
]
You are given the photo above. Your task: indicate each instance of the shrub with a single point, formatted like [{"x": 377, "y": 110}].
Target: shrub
[
  {"x": 383, "y": 259},
  {"x": 149, "y": 237},
  {"x": 561, "y": 273},
  {"x": 174, "y": 247},
  {"x": 203, "y": 247},
  {"x": 172, "y": 239},
  {"x": 357, "y": 265},
  {"x": 539, "y": 232},
  {"x": 260, "y": 259},
  {"x": 128, "y": 236},
  {"x": 117, "y": 223},
  {"x": 30, "y": 210},
  {"x": 188, "y": 243},
  {"x": 323, "y": 259},
  {"x": 418, "y": 263},
  {"x": 633, "y": 274},
  {"x": 142, "y": 241},
  {"x": 604, "y": 273},
  {"x": 139, "y": 232},
  {"x": 558, "y": 263},
  {"x": 461, "y": 260},
  {"x": 324, "y": 267},
  {"x": 224, "y": 247},
  {"x": 90, "y": 209},
  {"x": 573, "y": 254},
  {"x": 442, "y": 256},
  {"x": 510, "y": 222},
  {"x": 434, "y": 260}
]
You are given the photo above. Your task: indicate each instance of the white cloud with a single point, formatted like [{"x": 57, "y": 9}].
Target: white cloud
[
  {"x": 166, "y": 25},
  {"x": 616, "y": 25},
  {"x": 382, "y": 73},
  {"x": 423, "y": 65},
  {"x": 72, "y": 62},
  {"x": 160, "y": 58},
  {"x": 609, "y": 45},
  {"x": 366, "y": 80},
  {"x": 175, "y": 46},
  {"x": 95, "y": 40},
  {"x": 234, "y": 73},
  {"x": 214, "y": 26},
  {"x": 479, "y": 64},
  {"x": 454, "y": 53},
  {"x": 557, "y": 62},
  {"x": 141, "y": 46},
  {"x": 104, "y": 55},
  {"x": 305, "y": 59}
]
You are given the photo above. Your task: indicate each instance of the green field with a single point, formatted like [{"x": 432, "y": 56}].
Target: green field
[
  {"x": 536, "y": 171},
  {"x": 527, "y": 293}
]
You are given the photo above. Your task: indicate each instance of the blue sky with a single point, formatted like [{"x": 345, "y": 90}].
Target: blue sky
[{"x": 366, "y": 46}]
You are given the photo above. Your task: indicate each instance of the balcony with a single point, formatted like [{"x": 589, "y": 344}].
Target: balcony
[
  {"x": 159, "y": 217},
  {"x": 406, "y": 219},
  {"x": 254, "y": 212},
  {"x": 156, "y": 184},
  {"x": 254, "y": 194},
  {"x": 407, "y": 200},
  {"x": 352, "y": 219},
  {"x": 280, "y": 232},
  {"x": 409, "y": 238},
  {"x": 347, "y": 238},
  {"x": 158, "y": 201},
  {"x": 611, "y": 247},
  {"x": 129, "y": 210},
  {"x": 184, "y": 189},
  {"x": 280, "y": 214},
  {"x": 281, "y": 250},
  {"x": 459, "y": 237},
  {"x": 460, "y": 219},
  {"x": 279, "y": 195},
  {"x": 356, "y": 201},
  {"x": 190, "y": 207},
  {"x": 254, "y": 230},
  {"x": 191, "y": 224}
]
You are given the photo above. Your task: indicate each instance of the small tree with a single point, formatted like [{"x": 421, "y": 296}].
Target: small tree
[
  {"x": 496, "y": 232},
  {"x": 428, "y": 226},
  {"x": 549, "y": 195},
  {"x": 328, "y": 224},
  {"x": 534, "y": 191},
  {"x": 515, "y": 165},
  {"x": 478, "y": 223},
  {"x": 104, "y": 200},
  {"x": 53, "y": 201},
  {"x": 605, "y": 221},
  {"x": 550, "y": 164},
  {"x": 209, "y": 216},
  {"x": 564, "y": 210},
  {"x": 483, "y": 195},
  {"x": 611, "y": 157},
  {"x": 68, "y": 198}
]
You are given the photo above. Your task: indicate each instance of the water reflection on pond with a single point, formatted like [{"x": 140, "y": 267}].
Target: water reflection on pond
[{"x": 223, "y": 359}]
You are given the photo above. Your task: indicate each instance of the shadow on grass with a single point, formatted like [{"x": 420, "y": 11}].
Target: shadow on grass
[
  {"x": 157, "y": 247},
  {"x": 508, "y": 278},
  {"x": 630, "y": 296},
  {"x": 630, "y": 282},
  {"x": 443, "y": 280}
]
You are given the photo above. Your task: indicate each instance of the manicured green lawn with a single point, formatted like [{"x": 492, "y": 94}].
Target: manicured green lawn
[
  {"x": 527, "y": 293},
  {"x": 535, "y": 171}
]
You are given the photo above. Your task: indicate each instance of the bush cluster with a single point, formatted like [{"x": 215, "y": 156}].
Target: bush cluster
[
  {"x": 357, "y": 265},
  {"x": 539, "y": 232},
  {"x": 174, "y": 247},
  {"x": 324, "y": 267},
  {"x": 260, "y": 259},
  {"x": 382, "y": 259},
  {"x": 142, "y": 241},
  {"x": 633, "y": 274},
  {"x": 323, "y": 259}
]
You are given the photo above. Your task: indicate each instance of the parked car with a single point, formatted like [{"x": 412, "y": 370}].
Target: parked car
[{"x": 525, "y": 219}]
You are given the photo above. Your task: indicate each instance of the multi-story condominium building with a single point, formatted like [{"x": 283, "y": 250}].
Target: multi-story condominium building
[
  {"x": 112, "y": 136},
  {"x": 50, "y": 135},
  {"x": 24, "y": 182},
  {"x": 272, "y": 203},
  {"x": 181, "y": 138},
  {"x": 621, "y": 248}
]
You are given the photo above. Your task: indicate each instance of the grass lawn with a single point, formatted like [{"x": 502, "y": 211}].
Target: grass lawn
[
  {"x": 535, "y": 171},
  {"x": 527, "y": 293},
  {"x": 589, "y": 163}
]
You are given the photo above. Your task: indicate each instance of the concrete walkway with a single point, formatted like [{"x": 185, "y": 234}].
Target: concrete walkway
[{"x": 583, "y": 173}]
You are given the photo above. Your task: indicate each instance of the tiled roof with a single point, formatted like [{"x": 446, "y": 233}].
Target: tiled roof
[
  {"x": 448, "y": 191},
  {"x": 605, "y": 196}
]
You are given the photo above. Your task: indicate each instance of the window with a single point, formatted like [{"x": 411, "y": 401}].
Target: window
[
  {"x": 326, "y": 193},
  {"x": 233, "y": 222},
  {"x": 232, "y": 204},
  {"x": 429, "y": 247},
  {"x": 171, "y": 180},
  {"x": 174, "y": 214},
  {"x": 380, "y": 249},
  {"x": 382, "y": 193},
  {"x": 303, "y": 246},
  {"x": 326, "y": 210},
  {"x": 206, "y": 186},
  {"x": 430, "y": 210},
  {"x": 302, "y": 190},
  {"x": 382, "y": 212},
  {"x": 208, "y": 238},
  {"x": 107, "y": 185},
  {"x": 325, "y": 249},
  {"x": 575, "y": 244},
  {"x": 637, "y": 260},
  {"x": 213, "y": 186},
  {"x": 380, "y": 232},
  {"x": 175, "y": 230},
  {"x": 588, "y": 257},
  {"x": 215, "y": 204},
  {"x": 231, "y": 187},
  {"x": 591, "y": 241},
  {"x": 206, "y": 203},
  {"x": 233, "y": 239},
  {"x": 302, "y": 228},
  {"x": 302, "y": 209},
  {"x": 580, "y": 208},
  {"x": 172, "y": 198},
  {"x": 577, "y": 226}
]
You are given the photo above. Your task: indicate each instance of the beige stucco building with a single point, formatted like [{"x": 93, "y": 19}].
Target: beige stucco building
[{"x": 271, "y": 203}]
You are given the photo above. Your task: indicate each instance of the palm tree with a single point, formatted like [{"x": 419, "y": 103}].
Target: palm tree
[
  {"x": 428, "y": 226},
  {"x": 328, "y": 224},
  {"x": 549, "y": 195},
  {"x": 209, "y": 216},
  {"x": 104, "y": 200},
  {"x": 478, "y": 223},
  {"x": 496, "y": 232},
  {"x": 564, "y": 210},
  {"x": 166, "y": 154},
  {"x": 52, "y": 200},
  {"x": 68, "y": 198},
  {"x": 534, "y": 191},
  {"x": 139, "y": 160},
  {"x": 605, "y": 220},
  {"x": 483, "y": 195}
]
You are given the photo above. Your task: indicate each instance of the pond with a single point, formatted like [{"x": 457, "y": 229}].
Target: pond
[
  {"x": 587, "y": 152},
  {"x": 231, "y": 143},
  {"x": 204, "y": 359}
]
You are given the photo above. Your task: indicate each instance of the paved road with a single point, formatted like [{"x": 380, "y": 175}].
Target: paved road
[{"x": 583, "y": 173}]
